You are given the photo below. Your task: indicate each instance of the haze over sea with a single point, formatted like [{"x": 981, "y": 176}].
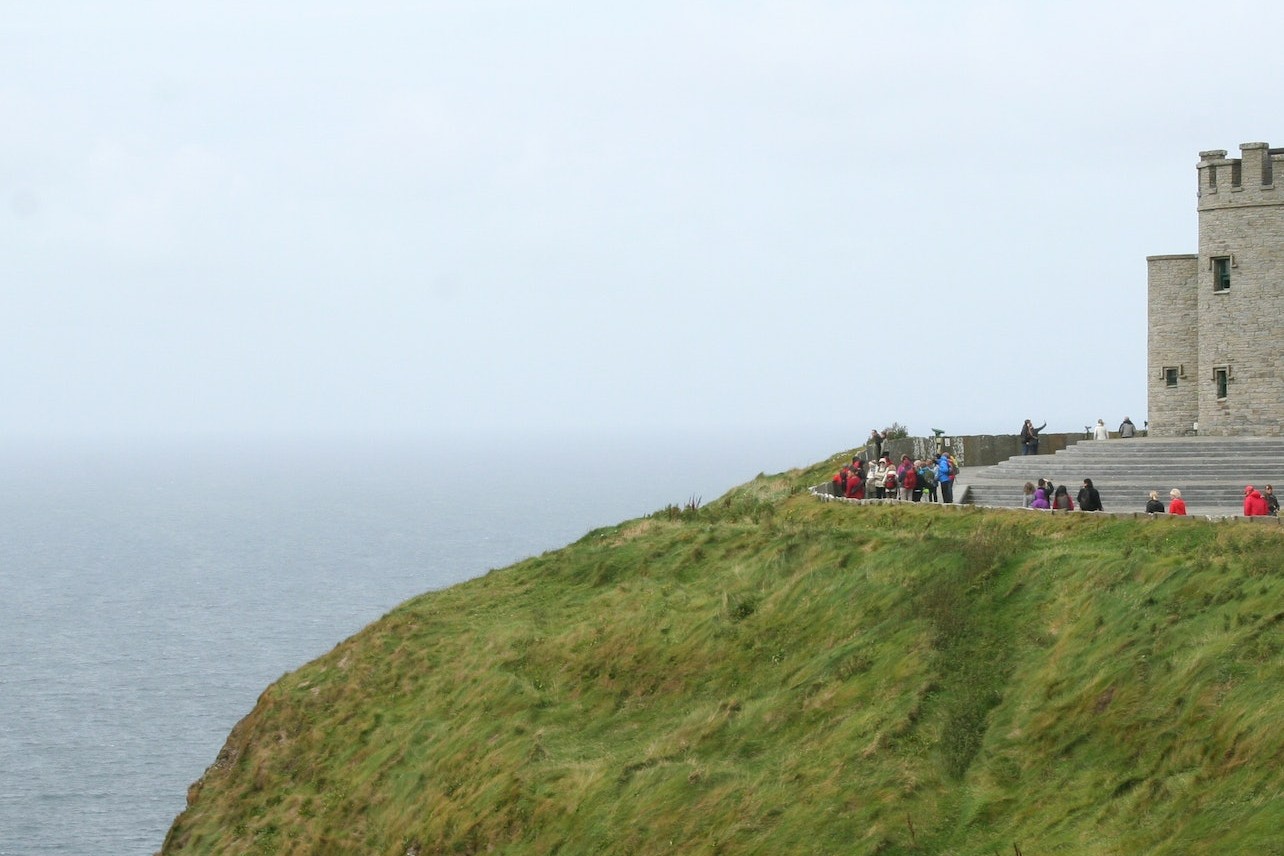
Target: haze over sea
[{"x": 149, "y": 591}]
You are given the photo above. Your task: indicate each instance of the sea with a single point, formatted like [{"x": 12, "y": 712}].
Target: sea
[{"x": 152, "y": 588}]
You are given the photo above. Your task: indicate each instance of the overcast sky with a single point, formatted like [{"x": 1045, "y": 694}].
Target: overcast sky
[{"x": 419, "y": 216}]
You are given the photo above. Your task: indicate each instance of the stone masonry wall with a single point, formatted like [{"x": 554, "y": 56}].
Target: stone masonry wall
[
  {"x": 1172, "y": 341},
  {"x": 1237, "y": 329}
]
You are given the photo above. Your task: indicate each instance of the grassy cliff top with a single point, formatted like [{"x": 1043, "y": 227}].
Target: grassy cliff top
[{"x": 774, "y": 674}]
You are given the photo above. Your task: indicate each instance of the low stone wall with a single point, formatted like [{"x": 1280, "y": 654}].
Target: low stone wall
[
  {"x": 821, "y": 491},
  {"x": 976, "y": 450}
]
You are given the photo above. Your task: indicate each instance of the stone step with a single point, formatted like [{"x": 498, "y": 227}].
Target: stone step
[{"x": 1210, "y": 472}]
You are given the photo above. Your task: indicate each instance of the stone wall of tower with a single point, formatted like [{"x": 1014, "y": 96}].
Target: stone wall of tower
[
  {"x": 1241, "y": 220},
  {"x": 1172, "y": 342}
]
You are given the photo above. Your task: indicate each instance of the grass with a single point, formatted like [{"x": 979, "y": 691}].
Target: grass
[{"x": 771, "y": 674}]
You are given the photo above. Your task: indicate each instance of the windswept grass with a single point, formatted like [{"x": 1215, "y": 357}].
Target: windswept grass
[{"x": 770, "y": 674}]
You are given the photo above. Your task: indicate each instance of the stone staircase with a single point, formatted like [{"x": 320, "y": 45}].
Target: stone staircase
[{"x": 1210, "y": 472}]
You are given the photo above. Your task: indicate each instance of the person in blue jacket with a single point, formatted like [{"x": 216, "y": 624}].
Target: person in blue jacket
[{"x": 945, "y": 472}]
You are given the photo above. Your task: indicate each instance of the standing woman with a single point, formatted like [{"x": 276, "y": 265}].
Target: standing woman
[
  {"x": 878, "y": 476},
  {"x": 906, "y": 479}
]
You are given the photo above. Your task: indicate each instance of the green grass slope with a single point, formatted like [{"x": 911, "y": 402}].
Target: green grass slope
[{"x": 774, "y": 674}]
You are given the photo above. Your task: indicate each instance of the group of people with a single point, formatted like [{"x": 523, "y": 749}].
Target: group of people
[
  {"x": 1049, "y": 496},
  {"x": 1257, "y": 504},
  {"x": 1176, "y": 504},
  {"x": 910, "y": 480},
  {"x": 1045, "y": 495},
  {"x": 1030, "y": 434},
  {"x": 1126, "y": 429}
]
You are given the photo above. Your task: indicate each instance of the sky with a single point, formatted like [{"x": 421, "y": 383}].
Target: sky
[{"x": 421, "y": 217}]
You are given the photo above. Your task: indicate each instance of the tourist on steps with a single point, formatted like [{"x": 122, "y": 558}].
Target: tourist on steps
[
  {"x": 1126, "y": 428},
  {"x": 1272, "y": 504},
  {"x": 1177, "y": 505},
  {"x": 1089, "y": 498},
  {"x": 1154, "y": 505},
  {"x": 1061, "y": 500},
  {"x": 1100, "y": 431}
]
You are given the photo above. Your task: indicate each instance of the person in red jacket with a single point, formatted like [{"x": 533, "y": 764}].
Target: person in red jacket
[
  {"x": 855, "y": 485},
  {"x": 1254, "y": 503},
  {"x": 1178, "y": 505}
]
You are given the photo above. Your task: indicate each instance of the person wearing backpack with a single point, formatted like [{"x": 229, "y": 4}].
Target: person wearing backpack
[
  {"x": 945, "y": 470},
  {"x": 927, "y": 480},
  {"x": 1061, "y": 500},
  {"x": 1089, "y": 497},
  {"x": 855, "y": 485},
  {"x": 910, "y": 491},
  {"x": 1030, "y": 437},
  {"x": 878, "y": 478}
]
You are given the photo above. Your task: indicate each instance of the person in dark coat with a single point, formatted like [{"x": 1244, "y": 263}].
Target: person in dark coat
[
  {"x": 1030, "y": 437},
  {"x": 1089, "y": 498},
  {"x": 1154, "y": 505}
]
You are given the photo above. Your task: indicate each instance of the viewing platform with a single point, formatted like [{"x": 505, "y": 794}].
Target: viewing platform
[{"x": 1210, "y": 472}]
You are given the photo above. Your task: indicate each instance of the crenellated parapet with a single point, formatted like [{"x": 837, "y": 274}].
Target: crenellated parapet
[
  {"x": 1215, "y": 366},
  {"x": 1246, "y": 180}
]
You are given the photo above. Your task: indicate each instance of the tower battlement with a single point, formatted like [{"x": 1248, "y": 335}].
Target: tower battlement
[
  {"x": 1213, "y": 317},
  {"x": 1246, "y": 180}
]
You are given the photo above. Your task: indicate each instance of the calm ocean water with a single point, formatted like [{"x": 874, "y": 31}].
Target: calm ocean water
[{"x": 150, "y": 591}]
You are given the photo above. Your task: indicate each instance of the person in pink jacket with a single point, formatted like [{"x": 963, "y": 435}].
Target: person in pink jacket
[{"x": 1254, "y": 503}]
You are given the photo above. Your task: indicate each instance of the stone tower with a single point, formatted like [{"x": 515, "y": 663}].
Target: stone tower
[{"x": 1216, "y": 319}]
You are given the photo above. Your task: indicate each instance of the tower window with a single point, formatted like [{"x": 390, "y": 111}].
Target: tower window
[
  {"x": 1170, "y": 376},
  {"x": 1221, "y": 379},
  {"x": 1221, "y": 273}
]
